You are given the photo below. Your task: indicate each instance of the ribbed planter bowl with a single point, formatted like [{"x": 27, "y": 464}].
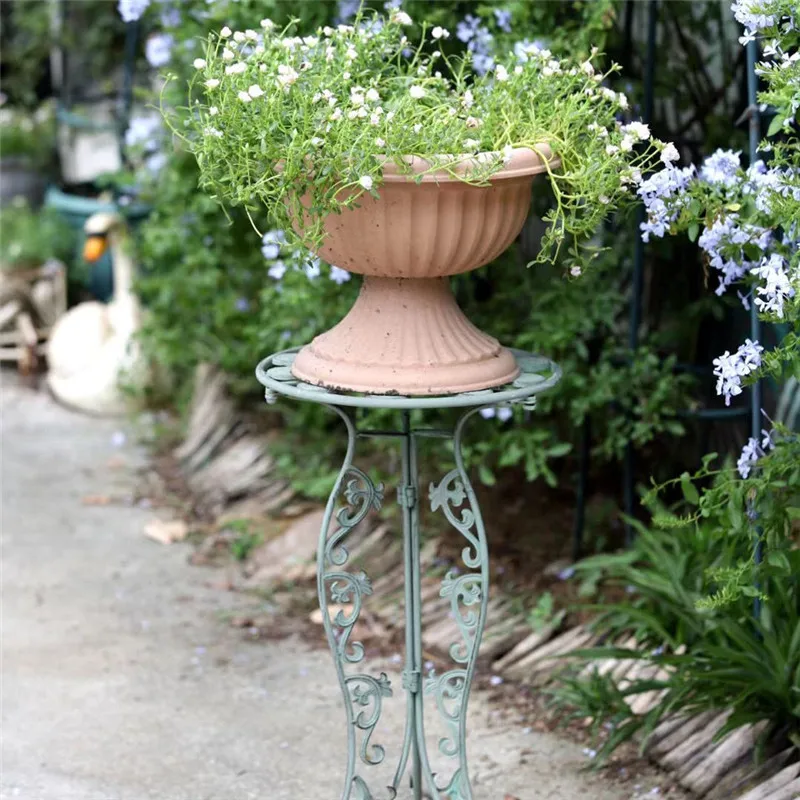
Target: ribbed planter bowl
[{"x": 405, "y": 332}]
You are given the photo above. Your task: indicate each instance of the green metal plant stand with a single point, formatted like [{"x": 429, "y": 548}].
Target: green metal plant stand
[{"x": 467, "y": 587}]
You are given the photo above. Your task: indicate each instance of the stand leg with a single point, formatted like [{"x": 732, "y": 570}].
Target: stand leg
[
  {"x": 363, "y": 694},
  {"x": 469, "y": 595}
]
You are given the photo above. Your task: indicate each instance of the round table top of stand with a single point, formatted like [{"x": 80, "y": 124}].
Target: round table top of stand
[{"x": 537, "y": 374}]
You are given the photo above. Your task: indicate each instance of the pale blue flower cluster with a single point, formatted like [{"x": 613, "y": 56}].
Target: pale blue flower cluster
[
  {"x": 272, "y": 245},
  {"x": 748, "y": 13},
  {"x": 131, "y": 10},
  {"x": 724, "y": 243},
  {"x": 479, "y": 40},
  {"x": 668, "y": 184},
  {"x": 158, "y": 49},
  {"x": 729, "y": 369},
  {"x": 752, "y": 451},
  {"x": 776, "y": 288},
  {"x": 721, "y": 168}
]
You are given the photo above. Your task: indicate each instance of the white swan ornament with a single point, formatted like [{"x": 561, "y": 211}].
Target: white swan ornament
[{"x": 92, "y": 353}]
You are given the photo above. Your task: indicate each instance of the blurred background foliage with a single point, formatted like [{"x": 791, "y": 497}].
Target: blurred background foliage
[{"x": 205, "y": 281}]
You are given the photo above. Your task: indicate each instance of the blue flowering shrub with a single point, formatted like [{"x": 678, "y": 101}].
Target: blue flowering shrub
[{"x": 712, "y": 591}]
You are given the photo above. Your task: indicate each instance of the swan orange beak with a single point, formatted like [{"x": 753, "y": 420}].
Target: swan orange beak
[{"x": 93, "y": 248}]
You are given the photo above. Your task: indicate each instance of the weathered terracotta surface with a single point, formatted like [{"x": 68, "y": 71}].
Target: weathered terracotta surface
[{"x": 405, "y": 332}]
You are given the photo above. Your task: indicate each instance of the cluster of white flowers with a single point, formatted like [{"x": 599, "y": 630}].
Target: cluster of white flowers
[
  {"x": 776, "y": 289},
  {"x": 752, "y": 451},
  {"x": 730, "y": 369}
]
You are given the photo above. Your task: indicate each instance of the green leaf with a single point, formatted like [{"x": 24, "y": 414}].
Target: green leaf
[
  {"x": 486, "y": 475},
  {"x": 693, "y": 232},
  {"x": 779, "y": 560},
  {"x": 775, "y": 126},
  {"x": 689, "y": 491}
]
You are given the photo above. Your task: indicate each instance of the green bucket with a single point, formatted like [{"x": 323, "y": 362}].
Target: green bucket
[{"x": 75, "y": 209}]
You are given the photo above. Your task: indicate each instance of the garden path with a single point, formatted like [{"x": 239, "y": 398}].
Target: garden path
[{"x": 120, "y": 681}]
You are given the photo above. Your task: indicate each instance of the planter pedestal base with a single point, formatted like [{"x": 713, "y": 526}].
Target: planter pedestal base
[{"x": 405, "y": 336}]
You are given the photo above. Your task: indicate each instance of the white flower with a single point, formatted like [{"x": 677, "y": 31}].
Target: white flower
[
  {"x": 604, "y": 199},
  {"x": 626, "y": 145},
  {"x": 317, "y": 142},
  {"x": 352, "y": 114},
  {"x": 267, "y": 24},
  {"x": 418, "y": 127},
  {"x": 380, "y": 142},
  {"x": 501, "y": 73},
  {"x": 255, "y": 91},
  {"x": 337, "y": 115},
  {"x": 228, "y": 55},
  {"x": 468, "y": 99},
  {"x": 251, "y": 35},
  {"x": 508, "y": 152},
  {"x": 417, "y": 92},
  {"x": 471, "y": 144},
  {"x": 211, "y": 131},
  {"x": 346, "y": 76},
  {"x": 239, "y": 37},
  {"x": 623, "y": 100},
  {"x": 575, "y": 271},
  {"x": 244, "y": 97},
  {"x": 440, "y": 33},
  {"x": 390, "y": 116},
  {"x": 213, "y": 111},
  {"x": 670, "y": 154},
  {"x": 612, "y": 149},
  {"x": 277, "y": 270},
  {"x": 262, "y": 67},
  {"x": 637, "y": 129},
  {"x": 366, "y": 182},
  {"x": 225, "y": 32},
  {"x": 473, "y": 122},
  {"x": 374, "y": 119},
  {"x": 373, "y": 96},
  {"x": 286, "y": 76},
  {"x": 236, "y": 69},
  {"x": 199, "y": 63},
  {"x": 401, "y": 18},
  {"x": 212, "y": 83},
  {"x": 587, "y": 67},
  {"x": 339, "y": 275},
  {"x": 518, "y": 70},
  {"x": 350, "y": 53}
]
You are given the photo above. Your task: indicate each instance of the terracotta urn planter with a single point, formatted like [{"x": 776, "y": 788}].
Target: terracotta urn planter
[{"x": 405, "y": 333}]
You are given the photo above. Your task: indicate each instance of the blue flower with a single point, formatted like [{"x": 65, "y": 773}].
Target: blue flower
[
  {"x": 339, "y": 275},
  {"x": 277, "y": 271},
  {"x": 170, "y": 17},
  {"x": 158, "y": 49},
  {"x": 503, "y": 18},
  {"x": 271, "y": 244},
  {"x": 721, "y": 168},
  {"x": 131, "y": 10},
  {"x": 242, "y": 304},
  {"x": 346, "y": 10},
  {"x": 465, "y": 30}
]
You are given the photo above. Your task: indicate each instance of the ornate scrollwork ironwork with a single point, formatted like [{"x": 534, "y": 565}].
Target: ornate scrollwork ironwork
[
  {"x": 335, "y": 584},
  {"x": 468, "y": 594}
]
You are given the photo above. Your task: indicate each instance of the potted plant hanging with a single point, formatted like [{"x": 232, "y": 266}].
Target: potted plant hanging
[{"x": 395, "y": 161}]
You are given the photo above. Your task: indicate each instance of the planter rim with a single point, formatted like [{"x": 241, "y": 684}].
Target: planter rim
[{"x": 523, "y": 162}]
